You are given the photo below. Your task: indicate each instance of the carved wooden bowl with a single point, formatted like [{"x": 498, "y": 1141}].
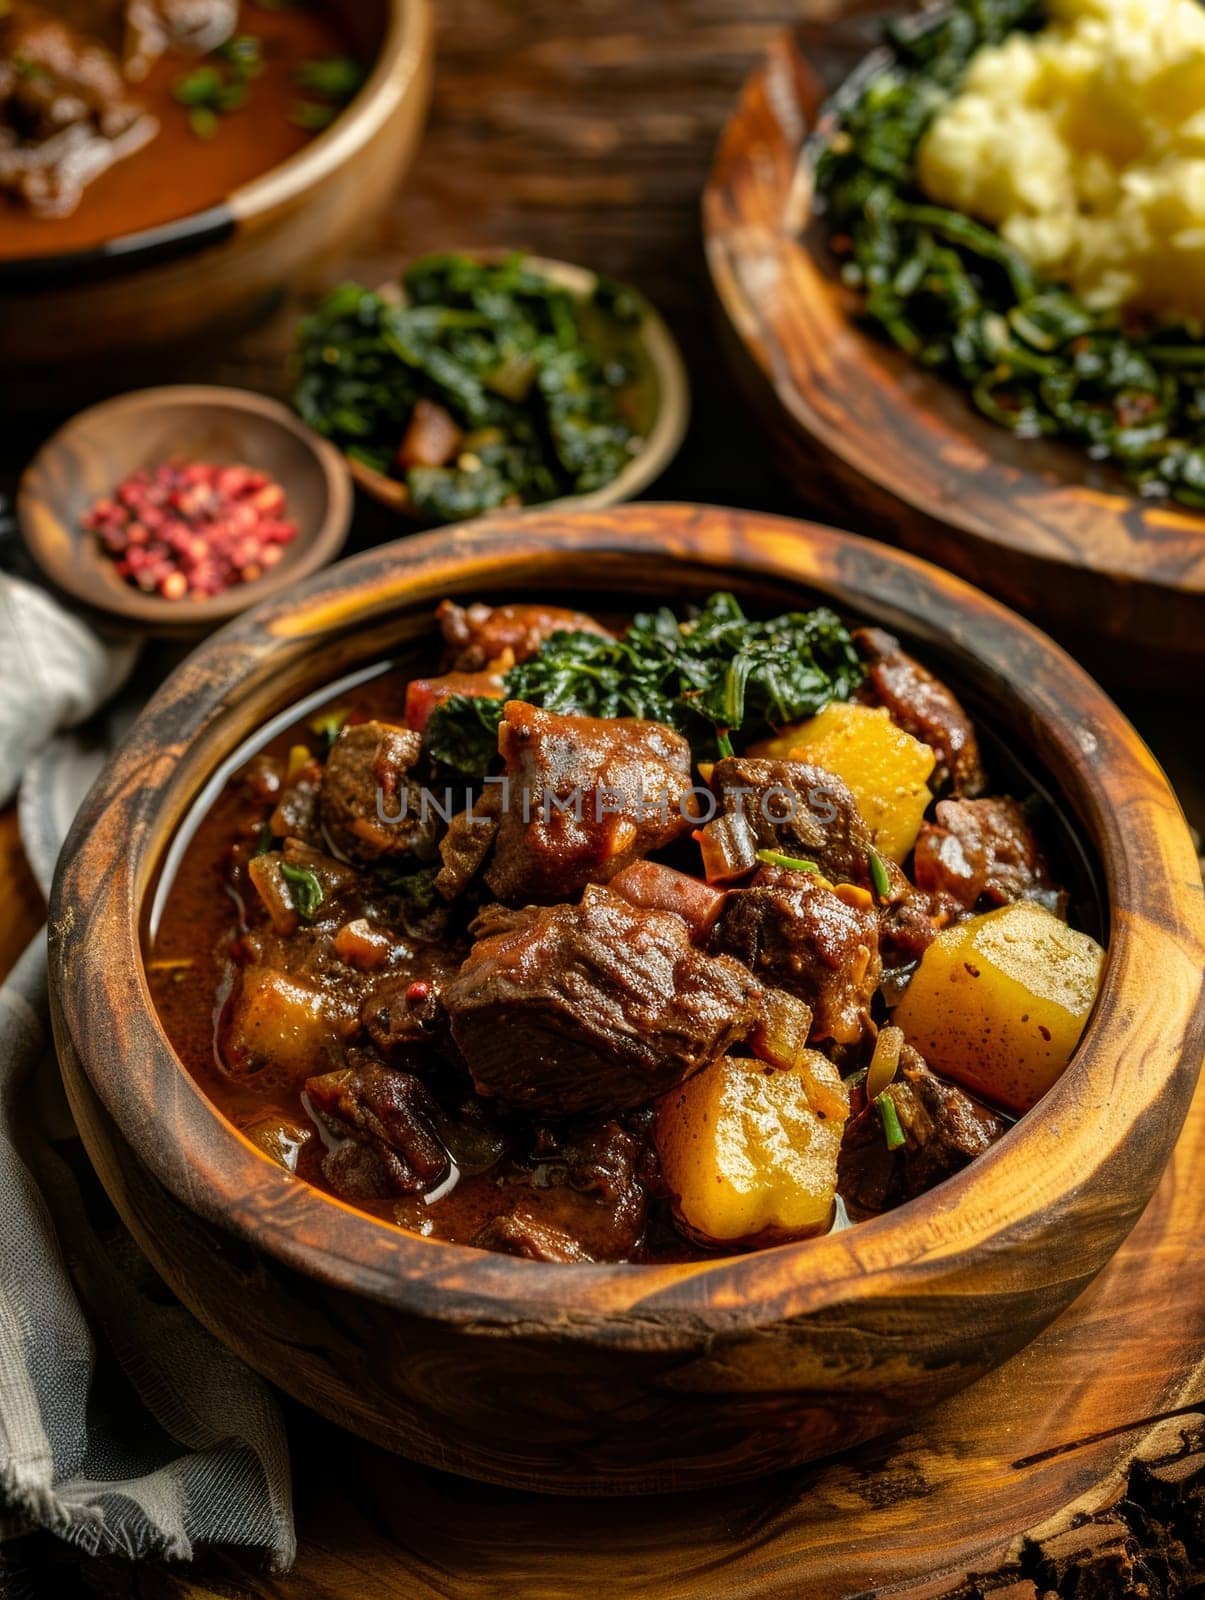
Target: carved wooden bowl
[
  {"x": 609, "y": 1379},
  {"x": 1036, "y": 522}
]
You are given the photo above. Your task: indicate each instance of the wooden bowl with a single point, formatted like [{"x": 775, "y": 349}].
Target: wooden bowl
[
  {"x": 659, "y": 396},
  {"x": 855, "y": 423},
  {"x": 64, "y": 319},
  {"x": 94, "y": 452},
  {"x": 608, "y": 1378}
]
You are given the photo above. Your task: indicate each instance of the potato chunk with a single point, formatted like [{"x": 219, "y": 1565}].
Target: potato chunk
[
  {"x": 999, "y": 1002},
  {"x": 887, "y": 770},
  {"x": 275, "y": 1019},
  {"x": 750, "y": 1153}
]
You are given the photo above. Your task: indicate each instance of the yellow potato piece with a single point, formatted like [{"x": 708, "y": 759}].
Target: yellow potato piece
[
  {"x": 887, "y": 770},
  {"x": 999, "y": 1002},
  {"x": 750, "y": 1152}
]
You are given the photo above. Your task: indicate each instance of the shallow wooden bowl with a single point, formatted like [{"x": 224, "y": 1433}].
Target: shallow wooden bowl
[
  {"x": 659, "y": 398},
  {"x": 609, "y": 1379},
  {"x": 94, "y": 452},
  {"x": 65, "y": 320},
  {"x": 856, "y": 423}
]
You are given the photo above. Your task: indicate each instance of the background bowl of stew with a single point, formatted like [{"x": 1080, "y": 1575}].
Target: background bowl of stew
[
  {"x": 630, "y": 1378},
  {"x": 68, "y": 309}
]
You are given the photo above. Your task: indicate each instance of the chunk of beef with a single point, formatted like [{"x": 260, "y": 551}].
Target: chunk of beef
[
  {"x": 297, "y": 814},
  {"x": 789, "y": 807},
  {"x": 586, "y": 796},
  {"x": 479, "y": 635},
  {"x": 923, "y": 706},
  {"x": 371, "y": 805},
  {"x": 588, "y": 1200},
  {"x": 65, "y": 113},
  {"x": 594, "y": 1007},
  {"x": 944, "y": 1129},
  {"x": 401, "y": 1012},
  {"x": 467, "y": 843},
  {"x": 380, "y": 1127},
  {"x": 796, "y": 933},
  {"x": 657, "y": 887},
  {"x": 981, "y": 850}
]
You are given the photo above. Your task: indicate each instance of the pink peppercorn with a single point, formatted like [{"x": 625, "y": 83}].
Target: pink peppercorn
[{"x": 187, "y": 530}]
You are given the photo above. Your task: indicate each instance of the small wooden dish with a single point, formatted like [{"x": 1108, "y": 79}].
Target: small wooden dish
[
  {"x": 90, "y": 455},
  {"x": 613, "y": 1378},
  {"x": 660, "y": 398},
  {"x": 861, "y": 428}
]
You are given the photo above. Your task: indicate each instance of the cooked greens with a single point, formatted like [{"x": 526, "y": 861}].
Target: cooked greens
[
  {"x": 958, "y": 299},
  {"x": 718, "y": 672},
  {"x": 516, "y": 362}
]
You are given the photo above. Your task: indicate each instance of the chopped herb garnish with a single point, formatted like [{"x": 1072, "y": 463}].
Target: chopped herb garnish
[
  {"x": 328, "y": 725},
  {"x": 718, "y": 672},
  {"x": 890, "y": 1118},
  {"x": 958, "y": 299},
  {"x": 264, "y": 840},
  {"x": 878, "y": 875},
  {"x": 775, "y": 858},
  {"x": 311, "y": 115},
  {"x": 203, "y": 122},
  {"x": 306, "y": 891},
  {"x": 336, "y": 78}
]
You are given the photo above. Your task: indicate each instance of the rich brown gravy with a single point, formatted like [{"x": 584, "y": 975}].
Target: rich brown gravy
[{"x": 178, "y": 173}]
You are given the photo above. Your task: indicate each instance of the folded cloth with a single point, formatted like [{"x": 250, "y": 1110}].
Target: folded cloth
[
  {"x": 124, "y": 1426},
  {"x": 54, "y": 673}
]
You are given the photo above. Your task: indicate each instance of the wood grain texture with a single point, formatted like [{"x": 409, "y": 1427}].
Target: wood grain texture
[
  {"x": 79, "y": 332},
  {"x": 615, "y": 1379},
  {"x": 98, "y": 449},
  {"x": 1035, "y": 522}
]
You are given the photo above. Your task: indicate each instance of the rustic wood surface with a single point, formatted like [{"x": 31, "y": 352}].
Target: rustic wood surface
[
  {"x": 1034, "y": 521},
  {"x": 587, "y": 131}
]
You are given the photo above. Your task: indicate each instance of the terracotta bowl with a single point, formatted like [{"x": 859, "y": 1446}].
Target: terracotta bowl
[
  {"x": 94, "y": 452},
  {"x": 854, "y": 421},
  {"x": 63, "y": 319},
  {"x": 658, "y": 396},
  {"x": 609, "y": 1379}
]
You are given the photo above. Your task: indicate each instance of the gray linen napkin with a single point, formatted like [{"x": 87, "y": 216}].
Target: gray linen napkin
[{"x": 124, "y": 1426}]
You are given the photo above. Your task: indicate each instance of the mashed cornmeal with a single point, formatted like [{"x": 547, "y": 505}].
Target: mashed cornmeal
[{"x": 1084, "y": 145}]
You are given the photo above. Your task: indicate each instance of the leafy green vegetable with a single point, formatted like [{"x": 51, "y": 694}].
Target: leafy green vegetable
[
  {"x": 716, "y": 673},
  {"x": 517, "y": 361},
  {"x": 306, "y": 891},
  {"x": 958, "y": 299},
  {"x": 336, "y": 78}
]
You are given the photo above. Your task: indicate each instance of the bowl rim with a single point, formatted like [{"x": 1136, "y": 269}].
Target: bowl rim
[
  {"x": 131, "y": 606},
  {"x": 664, "y": 438},
  {"x": 1071, "y": 1145},
  {"x": 399, "y": 60}
]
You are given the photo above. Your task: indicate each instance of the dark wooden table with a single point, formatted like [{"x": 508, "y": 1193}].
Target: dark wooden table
[{"x": 584, "y": 129}]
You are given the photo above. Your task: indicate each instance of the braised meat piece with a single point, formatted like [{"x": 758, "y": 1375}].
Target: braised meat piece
[
  {"x": 796, "y": 933},
  {"x": 479, "y": 635},
  {"x": 299, "y": 884},
  {"x": 588, "y": 1200},
  {"x": 371, "y": 805},
  {"x": 297, "y": 813},
  {"x": 923, "y": 706},
  {"x": 944, "y": 1130},
  {"x": 65, "y": 114},
  {"x": 381, "y": 1125},
  {"x": 788, "y": 807},
  {"x": 468, "y": 841},
  {"x": 585, "y": 796},
  {"x": 595, "y": 1007},
  {"x": 401, "y": 1012},
  {"x": 981, "y": 850}
]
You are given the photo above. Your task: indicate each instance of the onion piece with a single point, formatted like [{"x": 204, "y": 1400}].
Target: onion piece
[{"x": 885, "y": 1061}]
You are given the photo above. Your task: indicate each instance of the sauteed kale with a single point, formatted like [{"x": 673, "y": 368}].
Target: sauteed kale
[
  {"x": 957, "y": 298},
  {"x": 723, "y": 926},
  {"x": 490, "y": 386}
]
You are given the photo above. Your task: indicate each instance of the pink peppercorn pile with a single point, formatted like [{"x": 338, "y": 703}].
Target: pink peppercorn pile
[{"x": 190, "y": 529}]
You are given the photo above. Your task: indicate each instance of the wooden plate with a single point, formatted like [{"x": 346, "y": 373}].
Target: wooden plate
[{"x": 1035, "y": 522}]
